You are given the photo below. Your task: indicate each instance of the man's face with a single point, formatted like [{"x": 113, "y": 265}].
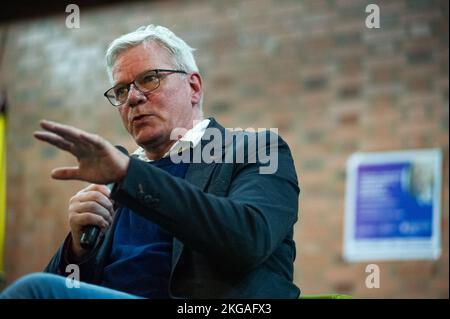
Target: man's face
[{"x": 151, "y": 117}]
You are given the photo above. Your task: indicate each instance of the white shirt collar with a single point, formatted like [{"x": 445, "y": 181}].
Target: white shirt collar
[{"x": 190, "y": 139}]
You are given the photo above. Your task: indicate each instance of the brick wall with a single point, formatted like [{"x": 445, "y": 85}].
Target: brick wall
[{"x": 310, "y": 68}]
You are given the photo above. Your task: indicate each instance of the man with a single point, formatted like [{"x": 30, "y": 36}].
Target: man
[{"x": 181, "y": 228}]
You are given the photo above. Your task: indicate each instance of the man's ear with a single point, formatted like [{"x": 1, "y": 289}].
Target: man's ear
[{"x": 195, "y": 82}]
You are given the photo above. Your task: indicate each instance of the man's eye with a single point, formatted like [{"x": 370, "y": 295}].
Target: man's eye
[
  {"x": 120, "y": 91},
  {"x": 149, "y": 78}
]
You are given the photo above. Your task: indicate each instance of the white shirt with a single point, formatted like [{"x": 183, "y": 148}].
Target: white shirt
[{"x": 190, "y": 139}]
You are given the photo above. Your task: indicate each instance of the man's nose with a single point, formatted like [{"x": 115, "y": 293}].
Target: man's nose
[{"x": 135, "y": 97}]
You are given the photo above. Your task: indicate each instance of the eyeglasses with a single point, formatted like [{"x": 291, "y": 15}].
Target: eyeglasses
[{"x": 145, "y": 83}]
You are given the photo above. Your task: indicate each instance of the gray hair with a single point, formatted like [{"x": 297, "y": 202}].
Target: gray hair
[{"x": 179, "y": 52}]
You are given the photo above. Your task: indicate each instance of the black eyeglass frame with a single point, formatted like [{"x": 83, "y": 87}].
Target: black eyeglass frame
[{"x": 128, "y": 85}]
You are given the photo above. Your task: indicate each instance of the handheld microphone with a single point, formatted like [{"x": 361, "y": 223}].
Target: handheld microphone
[{"x": 90, "y": 235}]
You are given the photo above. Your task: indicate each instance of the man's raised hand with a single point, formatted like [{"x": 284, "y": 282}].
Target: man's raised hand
[{"x": 99, "y": 161}]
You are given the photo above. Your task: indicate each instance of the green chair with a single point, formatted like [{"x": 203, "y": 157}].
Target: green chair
[{"x": 325, "y": 296}]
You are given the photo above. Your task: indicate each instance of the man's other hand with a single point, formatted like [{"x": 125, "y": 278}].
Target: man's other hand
[{"x": 90, "y": 206}]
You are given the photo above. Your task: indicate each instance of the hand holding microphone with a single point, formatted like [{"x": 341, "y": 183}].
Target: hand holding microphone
[
  {"x": 90, "y": 235},
  {"x": 91, "y": 232},
  {"x": 90, "y": 207}
]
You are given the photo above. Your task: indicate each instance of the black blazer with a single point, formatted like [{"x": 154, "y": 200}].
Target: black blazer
[{"x": 232, "y": 226}]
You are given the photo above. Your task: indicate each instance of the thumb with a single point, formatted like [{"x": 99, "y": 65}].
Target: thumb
[{"x": 66, "y": 173}]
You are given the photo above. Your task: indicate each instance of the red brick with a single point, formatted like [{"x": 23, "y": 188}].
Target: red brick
[{"x": 255, "y": 56}]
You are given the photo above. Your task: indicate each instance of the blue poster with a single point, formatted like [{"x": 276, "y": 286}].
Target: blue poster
[
  {"x": 394, "y": 200},
  {"x": 393, "y": 205}
]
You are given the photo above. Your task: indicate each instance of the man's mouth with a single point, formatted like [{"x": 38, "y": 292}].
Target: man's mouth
[{"x": 141, "y": 117}]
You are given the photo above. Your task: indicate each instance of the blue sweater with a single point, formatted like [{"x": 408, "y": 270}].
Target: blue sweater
[{"x": 141, "y": 254}]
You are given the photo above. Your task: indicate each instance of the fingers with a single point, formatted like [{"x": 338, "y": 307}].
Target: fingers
[
  {"x": 71, "y": 133},
  {"x": 66, "y": 132},
  {"x": 94, "y": 196},
  {"x": 96, "y": 187},
  {"x": 93, "y": 208},
  {"x": 64, "y": 137},
  {"x": 87, "y": 219},
  {"x": 65, "y": 173},
  {"x": 99, "y": 161},
  {"x": 54, "y": 140}
]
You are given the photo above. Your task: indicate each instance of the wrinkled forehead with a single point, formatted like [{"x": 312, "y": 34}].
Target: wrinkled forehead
[{"x": 143, "y": 57}]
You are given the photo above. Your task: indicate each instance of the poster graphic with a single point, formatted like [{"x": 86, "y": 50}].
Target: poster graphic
[{"x": 393, "y": 205}]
